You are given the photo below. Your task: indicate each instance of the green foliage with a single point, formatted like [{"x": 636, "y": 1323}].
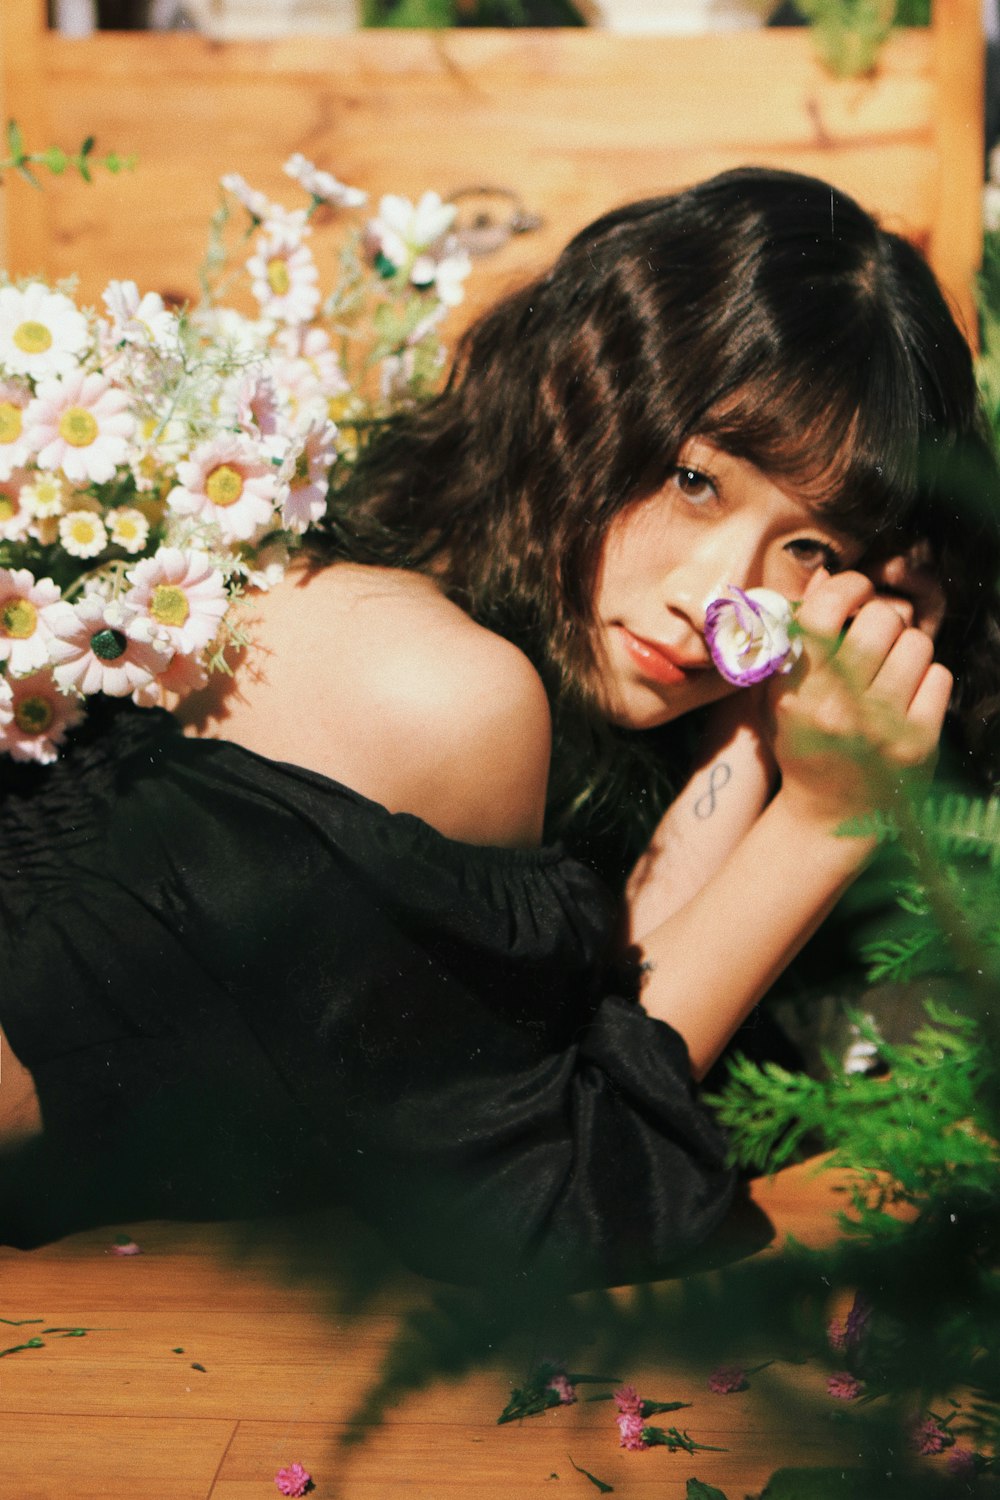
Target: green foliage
[{"x": 56, "y": 160}]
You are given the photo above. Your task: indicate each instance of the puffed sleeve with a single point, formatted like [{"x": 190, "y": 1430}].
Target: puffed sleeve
[{"x": 492, "y": 1103}]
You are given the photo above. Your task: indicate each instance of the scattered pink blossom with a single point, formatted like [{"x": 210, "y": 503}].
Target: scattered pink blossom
[
  {"x": 727, "y": 1379},
  {"x": 836, "y": 1335},
  {"x": 293, "y": 1480},
  {"x": 125, "y": 1247},
  {"x": 631, "y": 1428},
  {"x": 930, "y": 1437},
  {"x": 563, "y": 1387},
  {"x": 962, "y": 1463},
  {"x": 628, "y": 1400},
  {"x": 843, "y": 1386}
]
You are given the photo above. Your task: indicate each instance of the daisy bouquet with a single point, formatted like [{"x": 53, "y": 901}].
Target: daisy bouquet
[{"x": 156, "y": 462}]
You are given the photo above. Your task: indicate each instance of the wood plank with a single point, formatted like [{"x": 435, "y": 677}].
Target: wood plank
[
  {"x": 956, "y": 238},
  {"x": 24, "y": 211},
  {"x": 48, "y": 1458}
]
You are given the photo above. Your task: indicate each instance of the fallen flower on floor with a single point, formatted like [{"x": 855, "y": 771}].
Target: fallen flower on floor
[
  {"x": 563, "y": 1387},
  {"x": 293, "y": 1480},
  {"x": 727, "y": 1380},
  {"x": 124, "y": 1246},
  {"x": 547, "y": 1386},
  {"x": 931, "y": 1436},
  {"x": 963, "y": 1463},
  {"x": 843, "y": 1386}
]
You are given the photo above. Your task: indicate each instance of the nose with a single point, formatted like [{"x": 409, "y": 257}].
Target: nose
[{"x": 728, "y": 556}]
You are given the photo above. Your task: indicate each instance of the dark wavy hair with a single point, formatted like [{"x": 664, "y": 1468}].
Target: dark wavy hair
[{"x": 763, "y": 310}]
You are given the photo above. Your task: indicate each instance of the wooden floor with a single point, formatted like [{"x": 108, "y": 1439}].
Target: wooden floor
[{"x": 215, "y": 1357}]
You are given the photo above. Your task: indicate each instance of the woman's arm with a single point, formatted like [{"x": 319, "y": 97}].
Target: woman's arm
[
  {"x": 733, "y": 777},
  {"x": 870, "y": 709}
]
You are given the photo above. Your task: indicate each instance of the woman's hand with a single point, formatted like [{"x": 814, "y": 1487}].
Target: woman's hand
[{"x": 865, "y": 703}]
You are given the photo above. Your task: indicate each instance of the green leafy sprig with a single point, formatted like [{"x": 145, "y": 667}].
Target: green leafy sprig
[{"x": 57, "y": 161}]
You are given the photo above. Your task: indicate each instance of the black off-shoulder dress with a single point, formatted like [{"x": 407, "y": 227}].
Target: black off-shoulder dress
[{"x": 241, "y": 986}]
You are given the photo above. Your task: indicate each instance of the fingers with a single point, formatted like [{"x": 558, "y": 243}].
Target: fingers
[{"x": 930, "y": 702}]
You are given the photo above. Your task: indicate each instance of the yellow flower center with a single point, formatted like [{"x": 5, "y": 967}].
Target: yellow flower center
[
  {"x": 34, "y": 715},
  {"x": 18, "y": 619},
  {"x": 32, "y": 338},
  {"x": 83, "y": 530},
  {"x": 77, "y": 427},
  {"x": 8, "y": 507},
  {"x": 278, "y": 278},
  {"x": 10, "y": 422},
  {"x": 169, "y": 604},
  {"x": 301, "y": 475},
  {"x": 224, "y": 485}
]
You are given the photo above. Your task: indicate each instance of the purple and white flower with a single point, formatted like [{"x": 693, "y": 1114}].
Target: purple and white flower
[{"x": 747, "y": 631}]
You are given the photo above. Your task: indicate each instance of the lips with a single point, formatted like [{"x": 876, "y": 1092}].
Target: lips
[{"x": 656, "y": 662}]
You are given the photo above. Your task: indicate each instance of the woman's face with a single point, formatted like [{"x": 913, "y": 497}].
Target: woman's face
[{"x": 718, "y": 521}]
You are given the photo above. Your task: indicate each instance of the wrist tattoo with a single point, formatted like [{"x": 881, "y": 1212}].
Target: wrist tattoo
[{"x": 717, "y": 779}]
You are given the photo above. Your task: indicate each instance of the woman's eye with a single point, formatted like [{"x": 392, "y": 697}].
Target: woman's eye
[
  {"x": 696, "y": 487},
  {"x": 813, "y": 554}
]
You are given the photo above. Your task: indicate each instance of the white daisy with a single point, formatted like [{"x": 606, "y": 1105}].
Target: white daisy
[
  {"x": 42, "y": 333},
  {"x": 30, "y": 612},
  {"x": 82, "y": 533},
  {"x": 404, "y": 231},
  {"x": 283, "y": 278},
  {"x": 80, "y": 424},
  {"x": 128, "y": 528},
  {"x": 140, "y": 320},
  {"x": 323, "y": 186},
  {"x": 182, "y": 593},
  {"x": 106, "y": 649},
  {"x": 39, "y": 716},
  {"x": 231, "y": 482},
  {"x": 255, "y": 203}
]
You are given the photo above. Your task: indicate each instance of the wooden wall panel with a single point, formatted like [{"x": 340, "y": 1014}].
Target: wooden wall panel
[{"x": 574, "y": 121}]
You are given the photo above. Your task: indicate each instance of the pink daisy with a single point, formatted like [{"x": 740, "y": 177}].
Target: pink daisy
[
  {"x": 229, "y": 481},
  {"x": 283, "y": 277},
  {"x": 30, "y": 610},
  {"x": 257, "y": 407},
  {"x": 310, "y": 371},
  {"x": 80, "y": 424},
  {"x": 182, "y": 675},
  {"x": 107, "y": 649},
  {"x": 306, "y": 471},
  {"x": 293, "y": 1480},
  {"x": 182, "y": 593},
  {"x": 15, "y": 449},
  {"x": 40, "y": 717},
  {"x": 15, "y": 515}
]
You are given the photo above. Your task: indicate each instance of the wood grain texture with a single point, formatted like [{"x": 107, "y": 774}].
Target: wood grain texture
[
  {"x": 288, "y": 1355},
  {"x": 575, "y": 121}
]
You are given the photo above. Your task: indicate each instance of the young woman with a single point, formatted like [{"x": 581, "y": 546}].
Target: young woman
[{"x": 321, "y": 943}]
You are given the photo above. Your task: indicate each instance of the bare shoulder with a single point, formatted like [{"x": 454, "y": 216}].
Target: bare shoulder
[{"x": 374, "y": 678}]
